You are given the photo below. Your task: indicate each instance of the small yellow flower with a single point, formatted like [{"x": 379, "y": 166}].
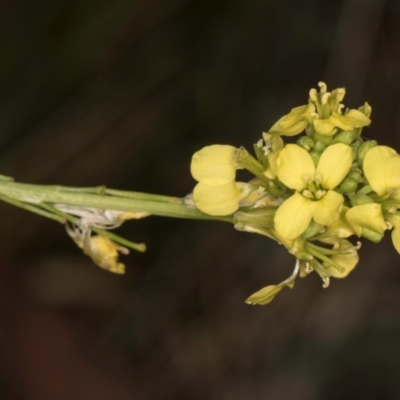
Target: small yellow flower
[
  {"x": 329, "y": 112},
  {"x": 314, "y": 197},
  {"x": 217, "y": 193}
]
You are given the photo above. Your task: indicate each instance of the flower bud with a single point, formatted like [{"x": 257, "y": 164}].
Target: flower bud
[
  {"x": 323, "y": 138},
  {"x": 361, "y": 199},
  {"x": 356, "y": 174},
  {"x": 275, "y": 190},
  {"x": 348, "y": 186},
  {"x": 320, "y": 147},
  {"x": 315, "y": 155},
  {"x": 312, "y": 230},
  {"x": 344, "y": 137},
  {"x": 364, "y": 148},
  {"x": 306, "y": 143}
]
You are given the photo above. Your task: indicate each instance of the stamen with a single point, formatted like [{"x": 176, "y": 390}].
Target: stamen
[
  {"x": 323, "y": 87},
  {"x": 313, "y": 95},
  {"x": 341, "y": 93},
  {"x": 308, "y": 268},
  {"x": 260, "y": 144},
  {"x": 325, "y": 97},
  {"x": 306, "y": 178},
  {"x": 326, "y": 281},
  {"x": 392, "y": 210},
  {"x": 307, "y": 193},
  {"x": 260, "y": 190},
  {"x": 320, "y": 194},
  {"x": 318, "y": 178},
  {"x": 358, "y": 245}
]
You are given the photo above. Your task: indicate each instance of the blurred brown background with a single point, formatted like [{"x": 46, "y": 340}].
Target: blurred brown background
[{"x": 122, "y": 93}]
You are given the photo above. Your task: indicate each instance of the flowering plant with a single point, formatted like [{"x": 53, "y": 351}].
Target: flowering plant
[{"x": 310, "y": 195}]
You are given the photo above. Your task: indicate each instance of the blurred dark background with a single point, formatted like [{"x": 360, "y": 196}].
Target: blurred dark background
[{"x": 122, "y": 93}]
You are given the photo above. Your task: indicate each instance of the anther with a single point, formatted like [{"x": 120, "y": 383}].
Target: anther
[
  {"x": 326, "y": 281},
  {"x": 306, "y": 178},
  {"x": 323, "y": 87},
  {"x": 308, "y": 268},
  {"x": 325, "y": 97}
]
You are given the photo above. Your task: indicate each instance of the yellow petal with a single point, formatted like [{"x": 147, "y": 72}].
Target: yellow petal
[
  {"x": 339, "y": 229},
  {"x": 267, "y": 294},
  {"x": 334, "y": 165},
  {"x": 324, "y": 127},
  {"x": 217, "y": 200},
  {"x": 352, "y": 119},
  {"x": 293, "y": 216},
  {"x": 368, "y": 216},
  {"x": 396, "y": 238},
  {"x": 382, "y": 169},
  {"x": 214, "y": 165},
  {"x": 294, "y": 165},
  {"x": 347, "y": 261},
  {"x": 294, "y": 122},
  {"x": 327, "y": 210}
]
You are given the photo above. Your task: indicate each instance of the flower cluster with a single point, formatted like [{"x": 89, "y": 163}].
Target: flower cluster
[{"x": 311, "y": 195}]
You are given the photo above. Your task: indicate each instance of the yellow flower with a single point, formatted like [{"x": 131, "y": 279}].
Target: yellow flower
[
  {"x": 314, "y": 197},
  {"x": 294, "y": 122},
  {"x": 329, "y": 108},
  {"x": 217, "y": 193}
]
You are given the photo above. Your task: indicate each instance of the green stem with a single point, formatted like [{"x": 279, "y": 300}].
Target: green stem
[
  {"x": 34, "y": 194},
  {"x": 142, "y": 196},
  {"x": 29, "y": 207}
]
